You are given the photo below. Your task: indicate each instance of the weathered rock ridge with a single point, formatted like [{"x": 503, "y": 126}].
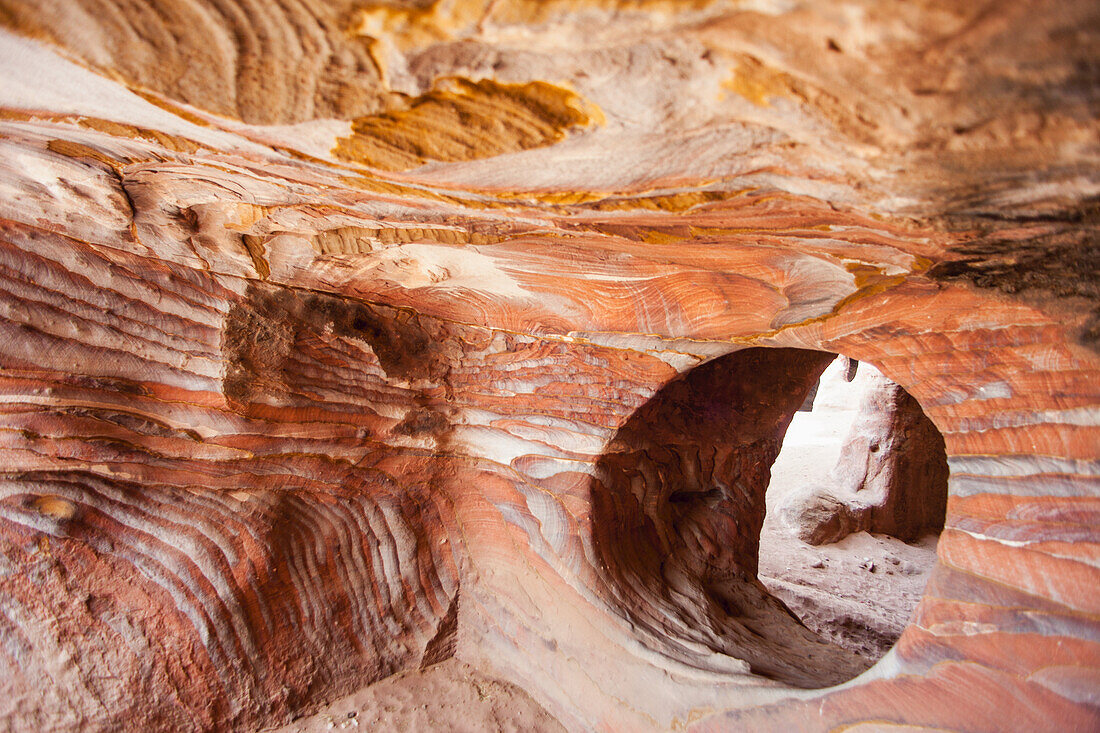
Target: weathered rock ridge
[{"x": 342, "y": 340}]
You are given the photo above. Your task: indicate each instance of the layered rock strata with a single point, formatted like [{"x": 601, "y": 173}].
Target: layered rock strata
[{"x": 333, "y": 341}]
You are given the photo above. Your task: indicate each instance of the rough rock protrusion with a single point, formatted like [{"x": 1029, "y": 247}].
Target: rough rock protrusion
[{"x": 891, "y": 477}]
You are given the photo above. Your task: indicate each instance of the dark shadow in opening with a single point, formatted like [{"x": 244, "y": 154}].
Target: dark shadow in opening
[
  {"x": 678, "y": 506},
  {"x": 857, "y": 498}
]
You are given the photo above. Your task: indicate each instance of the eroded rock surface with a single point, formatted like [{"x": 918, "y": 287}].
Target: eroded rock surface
[
  {"x": 891, "y": 477},
  {"x": 322, "y": 326},
  {"x": 678, "y": 509}
]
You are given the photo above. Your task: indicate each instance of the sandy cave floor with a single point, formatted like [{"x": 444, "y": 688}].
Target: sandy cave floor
[
  {"x": 859, "y": 592},
  {"x": 449, "y": 696}
]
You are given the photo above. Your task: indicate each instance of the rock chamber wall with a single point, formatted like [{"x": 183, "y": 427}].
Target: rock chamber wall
[{"x": 330, "y": 332}]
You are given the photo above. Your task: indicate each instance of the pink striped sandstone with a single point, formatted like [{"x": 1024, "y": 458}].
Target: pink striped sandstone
[{"x": 277, "y": 425}]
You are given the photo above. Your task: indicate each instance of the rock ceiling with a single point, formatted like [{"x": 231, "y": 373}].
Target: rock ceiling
[{"x": 330, "y": 332}]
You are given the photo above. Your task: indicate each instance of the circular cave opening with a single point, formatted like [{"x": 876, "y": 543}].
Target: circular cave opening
[{"x": 773, "y": 511}]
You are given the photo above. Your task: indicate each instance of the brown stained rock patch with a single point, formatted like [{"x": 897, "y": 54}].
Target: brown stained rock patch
[
  {"x": 263, "y": 331},
  {"x": 1045, "y": 256},
  {"x": 266, "y": 333},
  {"x": 419, "y": 421},
  {"x": 257, "y": 339},
  {"x": 406, "y": 345}
]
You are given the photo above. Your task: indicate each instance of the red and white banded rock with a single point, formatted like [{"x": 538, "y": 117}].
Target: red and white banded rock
[{"x": 278, "y": 422}]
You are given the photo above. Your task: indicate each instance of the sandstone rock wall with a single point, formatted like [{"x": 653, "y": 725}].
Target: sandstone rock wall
[{"x": 316, "y": 318}]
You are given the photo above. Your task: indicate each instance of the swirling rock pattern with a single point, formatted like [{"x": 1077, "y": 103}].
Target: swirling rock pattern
[{"x": 334, "y": 341}]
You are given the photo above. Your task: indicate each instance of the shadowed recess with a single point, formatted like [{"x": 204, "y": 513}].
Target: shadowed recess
[{"x": 679, "y": 507}]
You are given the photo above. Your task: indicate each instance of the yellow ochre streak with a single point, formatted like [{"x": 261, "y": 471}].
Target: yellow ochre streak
[{"x": 463, "y": 120}]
